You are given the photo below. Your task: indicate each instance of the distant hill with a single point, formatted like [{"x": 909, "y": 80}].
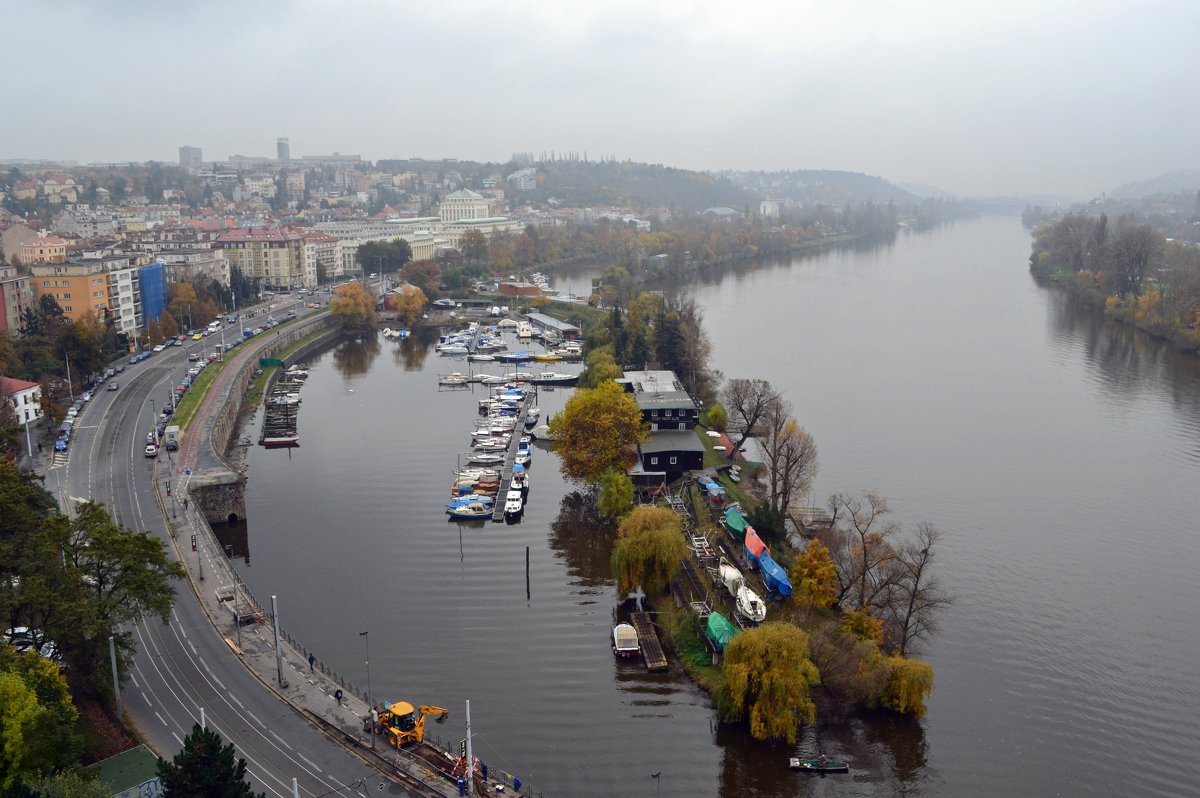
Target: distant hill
[
  {"x": 925, "y": 192},
  {"x": 823, "y": 185},
  {"x": 588, "y": 183},
  {"x": 1170, "y": 183}
]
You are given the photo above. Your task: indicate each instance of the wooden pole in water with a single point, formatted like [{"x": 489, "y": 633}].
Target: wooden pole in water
[{"x": 527, "y": 596}]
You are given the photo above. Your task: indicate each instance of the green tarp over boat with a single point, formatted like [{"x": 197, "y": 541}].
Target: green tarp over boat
[
  {"x": 720, "y": 630},
  {"x": 736, "y": 522}
]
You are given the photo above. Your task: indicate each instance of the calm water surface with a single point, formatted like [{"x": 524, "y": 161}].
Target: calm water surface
[{"x": 1060, "y": 454}]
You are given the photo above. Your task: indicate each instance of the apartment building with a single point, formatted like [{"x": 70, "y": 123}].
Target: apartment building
[
  {"x": 273, "y": 258},
  {"x": 16, "y": 294}
]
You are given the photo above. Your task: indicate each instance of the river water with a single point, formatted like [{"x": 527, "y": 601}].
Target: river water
[{"x": 1059, "y": 453}]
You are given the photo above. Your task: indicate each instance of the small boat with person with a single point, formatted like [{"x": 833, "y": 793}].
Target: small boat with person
[{"x": 820, "y": 764}]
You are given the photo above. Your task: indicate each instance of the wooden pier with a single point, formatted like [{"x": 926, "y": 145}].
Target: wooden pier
[
  {"x": 652, "y": 651},
  {"x": 510, "y": 455}
]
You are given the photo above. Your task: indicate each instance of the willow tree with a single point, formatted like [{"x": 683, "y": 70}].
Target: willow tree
[
  {"x": 649, "y": 550},
  {"x": 910, "y": 684},
  {"x": 597, "y": 431},
  {"x": 768, "y": 677},
  {"x": 616, "y": 493}
]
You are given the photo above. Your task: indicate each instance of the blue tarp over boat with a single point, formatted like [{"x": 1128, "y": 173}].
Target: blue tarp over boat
[{"x": 775, "y": 577}]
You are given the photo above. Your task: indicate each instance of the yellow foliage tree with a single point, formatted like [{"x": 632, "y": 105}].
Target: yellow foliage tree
[
  {"x": 863, "y": 625},
  {"x": 540, "y": 301},
  {"x": 596, "y": 431},
  {"x": 649, "y": 549},
  {"x": 815, "y": 577},
  {"x": 354, "y": 306},
  {"x": 768, "y": 677},
  {"x": 410, "y": 304},
  {"x": 910, "y": 684}
]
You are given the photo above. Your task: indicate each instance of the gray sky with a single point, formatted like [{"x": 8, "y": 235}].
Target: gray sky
[{"x": 1016, "y": 97}]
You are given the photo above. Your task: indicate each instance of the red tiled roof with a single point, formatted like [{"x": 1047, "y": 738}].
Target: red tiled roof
[
  {"x": 47, "y": 241},
  {"x": 9, "y": 386}
]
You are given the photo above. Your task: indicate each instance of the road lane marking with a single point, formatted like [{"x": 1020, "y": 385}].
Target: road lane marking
[
  {"x": 177, "y": 739},
  {"x": 160, "y": 717},
  {"x": 149, "y": 703},
  {"x": 282, "y": 741},
  {"x": 254, "y": 718},
  {"x": 235, "y": 700},
  {"x": 311, "y": 763}
]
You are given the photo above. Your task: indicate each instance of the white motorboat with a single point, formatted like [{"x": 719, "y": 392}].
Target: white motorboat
[
  {"x": 477, "y": 357},
  {"x": 454, "y": 378},
  {"x": 454, "y": 349},
  {"x": 485, "y": 458},
  {"x": 625, "y": 640},
  {"x": 541, "y": 432},
  {"x": 514, "y": 504},
  {"x": 489, "y": 379},
  {"x": 749, "y": 604}
]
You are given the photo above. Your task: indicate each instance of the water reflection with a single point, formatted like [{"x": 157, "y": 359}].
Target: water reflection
[
  {"x": 583, "y": 539},
  {"x": 354, "y": 357},
  {"x": 410, "y": 353}
]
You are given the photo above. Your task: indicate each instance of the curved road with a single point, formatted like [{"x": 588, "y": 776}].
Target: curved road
[{"x": 184, "y": 666}]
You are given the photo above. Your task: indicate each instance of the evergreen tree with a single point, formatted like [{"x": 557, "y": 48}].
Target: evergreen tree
[{"x": 204, "y": 767}]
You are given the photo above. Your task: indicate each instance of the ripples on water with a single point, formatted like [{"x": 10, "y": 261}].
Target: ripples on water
[{"x": 1060, "y": 453}]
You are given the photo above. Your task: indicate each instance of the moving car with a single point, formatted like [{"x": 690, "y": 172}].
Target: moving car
[
  {"x": 159, "y": 347},
  {"x": 112, "y": 386}
]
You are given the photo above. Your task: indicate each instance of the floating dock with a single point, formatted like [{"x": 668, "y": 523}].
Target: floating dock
[
  {"x": 510, "y": 454},
  {"x": 652, "y": 651}
]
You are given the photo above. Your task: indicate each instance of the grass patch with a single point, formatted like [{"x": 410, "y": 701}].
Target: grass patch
[
  {"x": 185, "y": 411},
  {"x": 682, "y": 631}
]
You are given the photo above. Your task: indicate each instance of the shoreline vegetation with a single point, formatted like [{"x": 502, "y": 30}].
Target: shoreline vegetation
[
  {"x": 864, "y": 593},
  {"x": 1127, "y": 269}
]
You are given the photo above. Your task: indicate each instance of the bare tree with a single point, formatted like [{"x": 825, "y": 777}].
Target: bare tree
[
  {"x": 1130, "y": 252},
  {"x": 791, "y": 455},
  {"x": 914, "y": 596},
  {"x": 858, "y": 543},
  {"x": 746, "y": 402}
]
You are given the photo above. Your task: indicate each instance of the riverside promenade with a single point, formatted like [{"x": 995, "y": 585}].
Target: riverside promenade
[{"x": 286, "y": 670}]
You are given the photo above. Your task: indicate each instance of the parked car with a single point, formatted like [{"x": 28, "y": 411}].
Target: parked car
[
  {"x": 151, "y": 450},
  {"x": 112, "y": 386}
]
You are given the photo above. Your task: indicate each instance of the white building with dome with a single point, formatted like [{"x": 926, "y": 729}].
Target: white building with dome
[{"x": 463, "y": 204}]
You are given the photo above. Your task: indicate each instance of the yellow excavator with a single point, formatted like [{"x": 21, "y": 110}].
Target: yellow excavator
[{"x": 403, "y": 724}]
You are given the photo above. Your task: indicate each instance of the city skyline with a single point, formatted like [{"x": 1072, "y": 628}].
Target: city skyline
[{"x": 1014, "y": 99}]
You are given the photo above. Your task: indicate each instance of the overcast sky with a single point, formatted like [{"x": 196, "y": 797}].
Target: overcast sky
[{"x": 1023, "y": 96}]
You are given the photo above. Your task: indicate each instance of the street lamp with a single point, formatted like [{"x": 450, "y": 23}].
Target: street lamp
[{"x": 366, "y": 636}]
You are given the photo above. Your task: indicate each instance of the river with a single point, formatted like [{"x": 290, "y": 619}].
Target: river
[{"x": 1059, "y": 453}]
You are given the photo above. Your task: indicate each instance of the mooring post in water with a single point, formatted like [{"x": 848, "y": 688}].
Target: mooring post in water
[{"x": 527, "y": 596}]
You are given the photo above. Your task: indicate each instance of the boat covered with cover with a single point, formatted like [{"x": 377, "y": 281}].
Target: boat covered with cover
[
  {"x": 719, "y": 630},
  {"x": 775, "y": 577}
]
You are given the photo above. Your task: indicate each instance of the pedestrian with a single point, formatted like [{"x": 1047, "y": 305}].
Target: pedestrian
[
  {"x": 311, "y": 660},
  {"x": 39, "y": 447},
  {"x": 337, "y": 695}
]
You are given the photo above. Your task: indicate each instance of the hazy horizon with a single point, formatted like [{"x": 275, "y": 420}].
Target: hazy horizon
[{"x": 1001, "y": 99}]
